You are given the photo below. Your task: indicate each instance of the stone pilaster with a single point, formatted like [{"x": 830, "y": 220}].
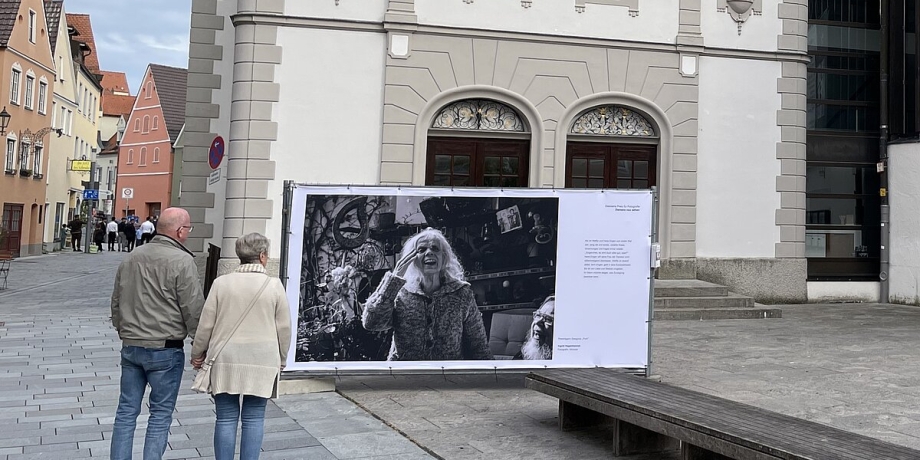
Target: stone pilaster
[
  {"x": 790, "y": 217},
  {"x": 252, "y": 130},
  {"x": 200, "y": 112}
]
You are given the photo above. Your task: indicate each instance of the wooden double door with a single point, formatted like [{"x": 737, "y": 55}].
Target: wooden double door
[
  {"x": 11, "y": 223},
  {"x": 472, "y": 162},
  {"x": 615, "y": 166}
]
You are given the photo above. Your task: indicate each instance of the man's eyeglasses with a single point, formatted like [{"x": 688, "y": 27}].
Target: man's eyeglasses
[
  {"x": 189, "y": 227},
  {"x": 547, "y": 319}
]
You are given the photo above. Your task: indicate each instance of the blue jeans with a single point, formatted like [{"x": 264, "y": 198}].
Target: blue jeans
[
  {"x": 228, "y": 417},
  {"x": 161, "y": 368}
]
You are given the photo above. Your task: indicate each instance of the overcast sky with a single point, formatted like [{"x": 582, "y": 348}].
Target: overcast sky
[{"x": 133, "y": 33}]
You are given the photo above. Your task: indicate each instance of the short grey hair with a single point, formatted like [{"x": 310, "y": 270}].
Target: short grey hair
[{"x": 249, "y": 247}]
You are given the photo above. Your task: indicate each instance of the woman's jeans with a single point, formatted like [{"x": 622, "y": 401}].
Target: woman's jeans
[
  {"x": 161, "y": 368},
  {"x": 229, "y": 415}
]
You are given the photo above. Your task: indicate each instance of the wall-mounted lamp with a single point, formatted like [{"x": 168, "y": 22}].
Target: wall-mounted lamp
[{"x": 4, "y": 120}]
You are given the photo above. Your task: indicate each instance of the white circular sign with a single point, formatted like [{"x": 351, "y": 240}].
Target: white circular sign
[{"x": 127, "y": 193}]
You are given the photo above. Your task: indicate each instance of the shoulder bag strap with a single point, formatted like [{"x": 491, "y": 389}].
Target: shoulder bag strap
[{"x": 212, "y": 357}]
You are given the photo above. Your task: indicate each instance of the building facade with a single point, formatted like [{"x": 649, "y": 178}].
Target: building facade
[
  {"x": 64, "y": 188},
  {"x": 28, "y": 75},
  {"x": 145, "y": 152},
  {"x": 752, "y": 118}
]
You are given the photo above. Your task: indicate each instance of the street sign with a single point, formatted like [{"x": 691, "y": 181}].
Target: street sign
[
  {"x": 216, "y": 153},
  {"x": 81, "y": 165},
  {"x": 214, "y": 177},
  {"x": 127, "y": 193},
  {"x": 90, "y": 194}
]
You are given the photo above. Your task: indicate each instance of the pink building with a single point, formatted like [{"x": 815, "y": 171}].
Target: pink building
[{"x": 145, "y": 155}]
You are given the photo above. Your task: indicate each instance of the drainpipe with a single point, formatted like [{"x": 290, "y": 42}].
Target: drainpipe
[{"x": 884, "y": 262}]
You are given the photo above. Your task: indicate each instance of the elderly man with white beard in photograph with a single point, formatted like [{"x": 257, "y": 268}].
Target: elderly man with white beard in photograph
[
  {"x": 539, "y": 344},
  {"x": 428, "y": 305}
]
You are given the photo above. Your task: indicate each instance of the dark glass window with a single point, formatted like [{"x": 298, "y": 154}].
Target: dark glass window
[{"x": 842, "y": 217}]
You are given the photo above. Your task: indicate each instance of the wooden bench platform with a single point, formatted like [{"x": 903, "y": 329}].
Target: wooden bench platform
[
  {"x": 650, "y": 417},
  {"x": 6, "y": 257}
]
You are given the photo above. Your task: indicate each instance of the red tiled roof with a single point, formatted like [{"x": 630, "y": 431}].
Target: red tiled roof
[
  {"x": 114, "y": 82},
  {"x": 110, "y": 146},
  {"x": 117, "y": 104},
  {"x": 84, "y": 28}
]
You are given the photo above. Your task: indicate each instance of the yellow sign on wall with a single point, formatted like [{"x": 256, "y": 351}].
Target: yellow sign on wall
[{"x": 81, "y": 165}]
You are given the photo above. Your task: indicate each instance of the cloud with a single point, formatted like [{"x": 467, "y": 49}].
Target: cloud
[
  {"x": 174, "y": 43},
  {"x": 113, "y": 42}
]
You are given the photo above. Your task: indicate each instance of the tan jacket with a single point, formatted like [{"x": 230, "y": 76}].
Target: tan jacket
[
  {"x": 250, "y": 362},
  {"x": 157, "y": 294}
]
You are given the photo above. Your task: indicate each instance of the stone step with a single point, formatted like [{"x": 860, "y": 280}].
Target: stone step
[
  {"x": 708, "y": 314},
  {"x": 688, "y": 288},
  {"x": 703, "y": 303}
]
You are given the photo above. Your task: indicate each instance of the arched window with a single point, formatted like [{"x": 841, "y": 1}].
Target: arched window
[
  {"x": 143, "y": 161},
  {"x": 130, "y": 156},
  {"x": 156, "y": 155},
  {"x": 137, "y": 125},
  {"x": 613, "y": 120},
  {"x": 479, "y": 115},
  {"x": 611, "y": 146},
  {"x": 146, "y": 124},
  {"x": 148, "y": 90},
  {"x": 478, "y": 142},
  {"x": 156, "y": 122}
]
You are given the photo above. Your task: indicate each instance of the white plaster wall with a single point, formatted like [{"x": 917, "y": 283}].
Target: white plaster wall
[
  {"x": 221, "y": 125},
  {"x": 657, "y": 20},
  {"x": 330, "y": 116},
  {"x": 361, "y": 10},
  {"x": 757, "y": 33},
  {"x": 837, "y": 291},
  {"x": 737, "y": 166},
  {"x": 904, "y": 199}
]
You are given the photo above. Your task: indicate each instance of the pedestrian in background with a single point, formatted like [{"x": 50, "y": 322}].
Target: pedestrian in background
[
  {"x": 147, "y": 230},
  {"x": 155, "y": 305},
  {"x": 112, "y": 230},
  {"x": 129, "y": 234},
  {"x": 99, "y": 236},
  {"x": 244, "y": 334},
  {"x": 76, "y": 233}
]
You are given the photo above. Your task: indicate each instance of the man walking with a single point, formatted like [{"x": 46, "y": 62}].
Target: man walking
[
  {"x": 155, "y": 305},
  {"x": 147, "y": 230},
  {"x": 130, "y": 234},
  {"x": 76, "y": 233},
  {"x": 112, "y": 230}
]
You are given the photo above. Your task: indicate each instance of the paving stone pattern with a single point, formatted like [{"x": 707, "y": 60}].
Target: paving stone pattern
[
  {"x": 59, "y": 381},
  {"x": 852, "y": 366}
]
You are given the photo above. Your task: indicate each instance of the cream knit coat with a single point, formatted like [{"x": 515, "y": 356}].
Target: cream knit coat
[{"x": 251, "y": 361}]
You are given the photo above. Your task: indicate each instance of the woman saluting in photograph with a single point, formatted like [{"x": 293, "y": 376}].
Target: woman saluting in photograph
[{"x": 428, "y": 305}]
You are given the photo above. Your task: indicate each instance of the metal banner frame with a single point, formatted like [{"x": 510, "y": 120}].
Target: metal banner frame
[{"x": 287, "y": 210}]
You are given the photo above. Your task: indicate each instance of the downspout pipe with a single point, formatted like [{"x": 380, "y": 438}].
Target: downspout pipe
[{"x": 885, "y": 254}]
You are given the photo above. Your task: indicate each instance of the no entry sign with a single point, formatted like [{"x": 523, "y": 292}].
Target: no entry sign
[{"x": 216, "y": 153}]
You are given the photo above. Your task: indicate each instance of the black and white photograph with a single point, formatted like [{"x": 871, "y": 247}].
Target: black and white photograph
[{"x": 426, "y": 278}]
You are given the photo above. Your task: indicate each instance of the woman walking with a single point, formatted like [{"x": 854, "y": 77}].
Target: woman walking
[{"x": 244, "y": 333}]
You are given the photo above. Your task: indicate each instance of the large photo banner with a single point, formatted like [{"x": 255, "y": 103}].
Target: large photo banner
[{"x": 387, "y": 278}]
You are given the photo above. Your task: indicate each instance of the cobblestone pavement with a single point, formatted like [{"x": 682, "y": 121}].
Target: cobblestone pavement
[
  {"x": 59, "y": 381},
  {"x": 851, "y": 366}
]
